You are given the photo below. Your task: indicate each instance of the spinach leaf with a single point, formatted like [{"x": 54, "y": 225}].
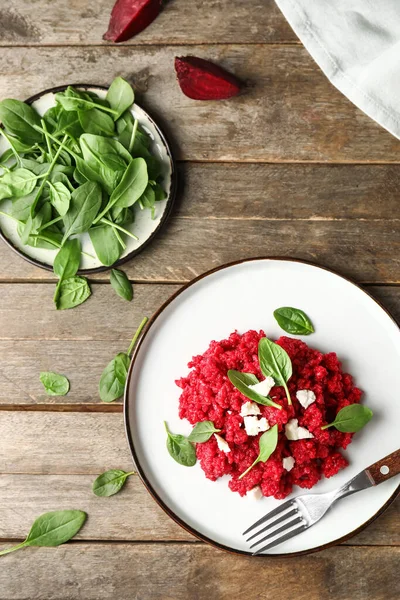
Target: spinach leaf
[
  {"x": 110, "y": 483},
  {"x": 181, "y": 450},
  {"x": 84, "y": 206},
  {"x": 132, "y": 185},
  {"x": 73, "y": 291},
  {"x": 242, "y": 381},
  {"x": 52, "y": 529},
  {"x": 66, "y": 263},
  {"x": 120, "y": 96},
  {"x": 19, "y": 182},
  {"x": 104, "y": 160},
  {"x": 202, "y": 432},
  {"x": 60, "y": 196},
  {"x": 268, "y": 443},
  {"x": 19, "y": 119},
  {"x": 54, "y": 384},
  {"x": 112, "y": 381},
  {"x": 153, "y": 167},
  {"x": 148, "y": 200},
  {"x": 70, "y": 122},
  {"x": 275, "y": 362},
  {"x": 96, "y": 121},
  {"x": 105, "y": 244},
  {"x": 159, "y": 192},
  {"x": 121, "y": 284},
  {"x": 21, "y": 207},
  {"x": 79, "y": 103},
  {"x": 293, "y": 320},
  {"x": 351, "y": 418}
]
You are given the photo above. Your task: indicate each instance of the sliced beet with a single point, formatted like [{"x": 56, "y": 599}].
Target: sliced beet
[
  {"x": 201, "y": 79},
  {"x": 130, "y": 17}
]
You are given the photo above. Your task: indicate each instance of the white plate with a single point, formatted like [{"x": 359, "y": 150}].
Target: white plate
[
  {"x": 243, "y": 296},
  {"x": 144, "y": 226}
]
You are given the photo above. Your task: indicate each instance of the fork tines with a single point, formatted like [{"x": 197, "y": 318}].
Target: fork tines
[{"x": 288, "y": 514}]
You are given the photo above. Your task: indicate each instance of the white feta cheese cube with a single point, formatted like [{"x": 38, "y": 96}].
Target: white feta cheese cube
[
  {"x": 222, "y": 444},
  {"x": 263, "y": 424},
  {"x": 305, "y": 397},
  {"x": 294, "y": 432},
  {"x": 251, "y": 425},
  {"x": 255, "y": 493},
  {"x": 249, "y": 408},
  {"x": 288, "y": 463},
  {"x": 263, "y": 387}
]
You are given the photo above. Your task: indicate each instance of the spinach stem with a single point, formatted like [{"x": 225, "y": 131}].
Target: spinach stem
[
  {"x": 249, "y": 469},
  {"x": 47, "y": 239},
  {"x": 11, "y": 145},
  {"x": 135, "y": 338},
  {"x": 12, "y": 549},
  {"x": 46, "y": 135},
  {"x": 112, "y": 224},
  {"x": 49, "y": 223},
  {"x": 289, "y": 399},
  {"x": 45, "y": 178},
  {"x": 119, "y": 238},
  {"x": 62, "y": 144},
  {"x": 133, "y": 135}
]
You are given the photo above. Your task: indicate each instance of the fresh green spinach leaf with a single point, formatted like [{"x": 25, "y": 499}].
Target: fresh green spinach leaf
[
  {"x": 121, "y": 284},
  {"x": 54, "y": 384},
  {"x": 268, "y": 443},
  {"x": 84, "y": 206},
  {"x": 52, "y": 529},
  {"x": 180, "y": 448},
  {"x": 113, "y": 379},
  {"x": 60, "y": 197},
  {"x": 120, "y": 96},
  {"x": 293, "y": 321},
  {"x": 242, "y": 381},
  {"x": 96, "y": 122},
  {"x": 110, "y": 483},
  {"x": 73, "y": 291},
  {"x": 351, "y": 418},
  {"x": 19, "y": 119},
  {"x": 202, "y": 432},
  {"x": 275, "y": 362},
  {"x": 105, "y": 244}
]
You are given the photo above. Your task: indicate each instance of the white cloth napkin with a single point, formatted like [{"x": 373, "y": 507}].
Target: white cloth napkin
[{"x": 357, "y": 45}]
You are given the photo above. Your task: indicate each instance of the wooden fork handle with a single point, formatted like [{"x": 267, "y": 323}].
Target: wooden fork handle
[{"x": 384, "y": 469}]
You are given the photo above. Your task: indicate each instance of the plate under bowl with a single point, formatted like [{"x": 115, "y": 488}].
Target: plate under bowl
[
  {"x": 243, "y": 296},
  {"x": 145, "y": 228}
]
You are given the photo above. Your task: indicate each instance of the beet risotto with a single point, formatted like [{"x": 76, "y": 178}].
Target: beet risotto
[{"x": 304, "y": 452}]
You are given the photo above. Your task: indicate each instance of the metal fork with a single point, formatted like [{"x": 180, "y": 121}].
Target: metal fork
[{"x": 302, "y": 512}]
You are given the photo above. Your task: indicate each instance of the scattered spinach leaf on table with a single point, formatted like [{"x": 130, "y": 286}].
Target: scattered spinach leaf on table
[
  {"x": 110, "y": 483},
  {"x": 121, "y": 284},
  {"x": 54, "y": 384}
]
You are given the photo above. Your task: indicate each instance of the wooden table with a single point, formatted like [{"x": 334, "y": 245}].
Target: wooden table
[{"x": 290, "y": 168}]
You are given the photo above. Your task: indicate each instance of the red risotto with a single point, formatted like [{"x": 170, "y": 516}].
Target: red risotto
[{"x": 208, "y": 395}]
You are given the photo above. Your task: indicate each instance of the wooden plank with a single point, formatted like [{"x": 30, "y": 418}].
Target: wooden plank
[
  {"x": 367, "y": 251},
  {"x": 35, "y": 338},
  {"x": 289, "y": 112},
  {"x": 181, "y": 22},
  {"x": 182, "y": 571},
  {"x": 130, "y": 515},
  {"x": 92, "y": 321},
  {"x": 63, "y": 443}
]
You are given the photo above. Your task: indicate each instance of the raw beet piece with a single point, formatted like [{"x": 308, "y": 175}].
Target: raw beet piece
[
  {"x": 200, "y": 79},
  {"x": 129, "y": 17}
]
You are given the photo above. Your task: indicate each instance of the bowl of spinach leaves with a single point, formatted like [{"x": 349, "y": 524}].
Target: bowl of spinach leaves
[{"x": 86, "y": 163}]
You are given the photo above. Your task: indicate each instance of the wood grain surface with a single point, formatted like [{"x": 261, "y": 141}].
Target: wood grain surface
[
  {"x": 77, "y": 22},
  {"x": 289, "y": 168},
  {"x": 187, "y": 571},
  {"x": 130, "y": 515},
  {"x": 288, "y": 112}
]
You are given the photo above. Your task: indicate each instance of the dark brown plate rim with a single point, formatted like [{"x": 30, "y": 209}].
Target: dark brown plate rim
[
  {"x": 139, "y": 468},
  {"x": 165, "y": 215}
]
